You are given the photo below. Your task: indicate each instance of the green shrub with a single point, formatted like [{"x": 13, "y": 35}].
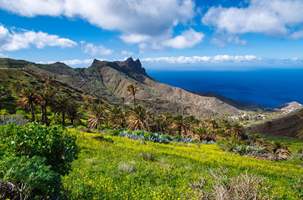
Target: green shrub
[
  {"x": 27, "y": 178},
  {"x": 51, "y": 143}
]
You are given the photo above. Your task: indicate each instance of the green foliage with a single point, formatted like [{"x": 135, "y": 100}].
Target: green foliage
[
  {"x": 125, "y": 169},
  {"x": 29, "y": 178},
  {"x": 51, "y": 143},
  {"x": 32, "y": 158}
]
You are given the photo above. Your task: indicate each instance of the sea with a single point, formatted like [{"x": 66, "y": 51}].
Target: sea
[{"x": 266, "y": 88}]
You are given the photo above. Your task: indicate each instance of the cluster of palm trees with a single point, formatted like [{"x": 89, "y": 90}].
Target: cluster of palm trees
[
  {"x": 137, "y": 117},
  {"x": 33, "y": 97},
  {"x": 43, "y": 99}
]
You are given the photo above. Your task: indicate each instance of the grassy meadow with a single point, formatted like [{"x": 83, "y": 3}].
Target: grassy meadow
[{"x": 112, "y": 167}]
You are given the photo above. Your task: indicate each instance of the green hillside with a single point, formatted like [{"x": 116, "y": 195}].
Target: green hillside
[
  {"x": 81, "y": 145},
  {"x": 110, "y": 167}
]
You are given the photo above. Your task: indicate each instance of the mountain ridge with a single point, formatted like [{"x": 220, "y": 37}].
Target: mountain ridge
[{"x": 109, "y": 80}]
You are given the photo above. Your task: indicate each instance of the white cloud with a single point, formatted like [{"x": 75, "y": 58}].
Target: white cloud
[
  {"x": 147, "y": 23},
  {"x": 187, "y": 39},
  {"x": 13, "y": 41},
  {"x": 261, "y": 16},
  {"x": 32, "y": 8},
  {"x": 135, "y": 38},
  {"x": 202, "y": 59},
  {"x": 71, "y": 62},
  {"x": 76, "y": 62},
  {"x": 297, "y": 35},
  {"x": 148, "y": 17},
  {"x": 95, "y": 50},
  {"x": 222, "y": 39},
  {"x": 3, "y": 32},
  {"x": 127, "y": 53}
]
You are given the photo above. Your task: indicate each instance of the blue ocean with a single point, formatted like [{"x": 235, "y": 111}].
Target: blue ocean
[{"x": 267, "y": 88}]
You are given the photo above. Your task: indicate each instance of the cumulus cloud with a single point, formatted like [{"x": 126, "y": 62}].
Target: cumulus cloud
[
  {"x": 187, "y": 39},
  {"x": 13, "y": 41},
  {"x": 202, "y": 59},
  {"x": 147, "y": 17},
  {"x": 32, "y": 8},
  {"x": 261, "y": 16},
  {"x": 95, "y": 50}
]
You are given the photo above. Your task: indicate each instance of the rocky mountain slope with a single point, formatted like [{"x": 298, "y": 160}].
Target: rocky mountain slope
[
  {"x": 286, "y": 124},
  {"x": 109, "y": 80}
]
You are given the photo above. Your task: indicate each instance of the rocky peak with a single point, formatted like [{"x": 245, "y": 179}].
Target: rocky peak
[
  {"x": 59, "y": 64},
  {"x": 58, "y": 68},
  {"x": 132, "y": 66},
  {"x": 97, "y": 63}
]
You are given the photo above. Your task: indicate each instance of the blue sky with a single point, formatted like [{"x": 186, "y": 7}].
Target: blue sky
[{"x": 162, "y": 33}]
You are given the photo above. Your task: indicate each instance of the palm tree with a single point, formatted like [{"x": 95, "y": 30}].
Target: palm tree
[
  {"x": 98, "y": 116},
  {"x": 88, "y": 101},
  {"x": 117, "y": 117},
  {"x": 27, "y": 100},
  {"x": 60, "y": 105},
  {"x": 132, "y": 90},
  {"x": 189, "y": 123},
  {"x": 44, "y": 97},
  {"x": 137, "y": 119},
  {"x": 161, "y": 123},
  {"x": 178, "y": 124},
  {"x": 72, "y": 111}
]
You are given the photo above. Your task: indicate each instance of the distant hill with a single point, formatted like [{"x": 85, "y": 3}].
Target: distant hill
[
  {"x": 109, "y": 80},
  {"x": 290, "y": 124}
]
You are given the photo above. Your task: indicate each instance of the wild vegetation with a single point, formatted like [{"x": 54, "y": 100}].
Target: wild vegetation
[
  {"x": 128, "y": 151},
  {"x": 114, "y": 167},
  {"x": 32, "y": 159}
]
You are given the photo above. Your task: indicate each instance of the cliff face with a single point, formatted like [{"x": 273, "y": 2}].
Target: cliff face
[{"x": 110, "y": 80}]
